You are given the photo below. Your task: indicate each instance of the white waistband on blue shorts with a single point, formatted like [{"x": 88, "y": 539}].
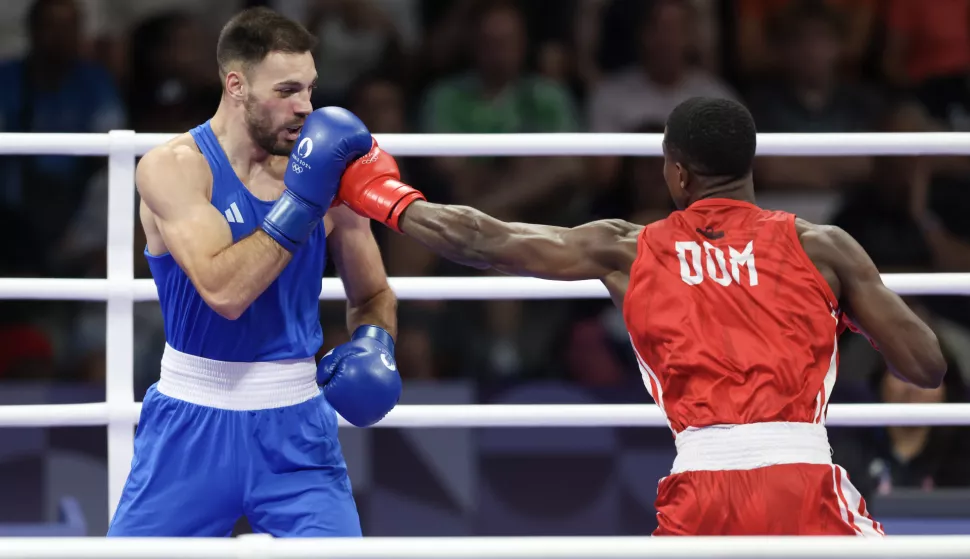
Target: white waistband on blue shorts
[
  {"x": 746, "y": 447},
  {"x": 234, "y": 385}
]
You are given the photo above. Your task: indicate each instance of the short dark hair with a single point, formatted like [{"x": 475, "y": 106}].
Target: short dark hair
[
  {"x": 712, "y": 137},
  {"x": 254, "y": 33}
]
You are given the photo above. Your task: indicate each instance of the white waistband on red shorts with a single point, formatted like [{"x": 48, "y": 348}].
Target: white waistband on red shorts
[
  {"x": 746, "y": 447},
  {"x": 237, "y": 385}
]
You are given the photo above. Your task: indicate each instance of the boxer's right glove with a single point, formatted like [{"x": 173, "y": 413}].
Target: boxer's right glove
[
  {"x": 331, "y": 138},
  {"x": 372, "y": 187}
]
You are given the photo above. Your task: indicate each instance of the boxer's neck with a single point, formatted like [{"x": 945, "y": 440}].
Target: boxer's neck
[
  {"x": 741, "y": 189},
  {"x": 229, "y": 127}
]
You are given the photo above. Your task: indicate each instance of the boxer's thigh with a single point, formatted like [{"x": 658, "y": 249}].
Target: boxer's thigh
[
  {"x": 298, "y": 486},
  {"x": 697, "y": 503},
  {"x": 184, "y": 478},
  {"x": 786, "y": 499},
  {"x": 840, "y": 509}
]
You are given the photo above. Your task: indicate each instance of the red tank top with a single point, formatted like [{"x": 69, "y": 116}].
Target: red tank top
[{"x": 730, "y": 320}]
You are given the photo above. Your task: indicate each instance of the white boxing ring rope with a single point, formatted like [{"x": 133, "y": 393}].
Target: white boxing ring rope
[
  {"x": 253, "y": 546},
  {"x": 119, "y": 412}
]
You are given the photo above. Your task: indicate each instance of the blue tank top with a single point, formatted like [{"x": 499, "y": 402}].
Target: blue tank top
[{"x": 282, "y": 323}]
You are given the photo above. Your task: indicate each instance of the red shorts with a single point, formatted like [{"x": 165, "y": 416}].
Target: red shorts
[{"x": 784, "y": 499}]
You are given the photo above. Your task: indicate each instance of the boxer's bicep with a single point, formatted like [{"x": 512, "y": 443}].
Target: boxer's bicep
[
  {"x": 908, "y": 344},
  {"x": 175, "y": 191}
]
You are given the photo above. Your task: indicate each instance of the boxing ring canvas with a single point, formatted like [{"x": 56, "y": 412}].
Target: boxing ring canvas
[{"x": 119, "y": 412}]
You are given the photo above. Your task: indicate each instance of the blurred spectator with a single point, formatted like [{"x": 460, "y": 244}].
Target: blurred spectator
[
  {"x": 356, "y": 37},
  {"x": 587, "y": 36},
  {"x": 809, "y": 96},
  {"x": 900, "y": 190},
  {"x": 380, "y": 103},
  {"x": 499, "y": 96},
  {"x": 52, "y": 90},
  {"x": 709, "y": 35},
  {"x": 639, "y": 193},
  {"x": 618, "y": 24},
  {"x": 174, "y": 86},
  {"x": 928, "y": 49},
  {"x": 406, "y": 15},
  {"x": 664, "y": 77},
  {"x": 880, "y": 459},
  {"x": 594, "y": 348},
  {"x": 754, "y": 47},
  {"x": 26, "y": 351},
  {"x": 884, "y": 213},
  {"x": 448, "y": 23},
  {"x": 114, "y": 23}
]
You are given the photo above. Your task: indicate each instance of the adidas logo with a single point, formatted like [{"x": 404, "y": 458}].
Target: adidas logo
[{"x": 233, "y": 215}]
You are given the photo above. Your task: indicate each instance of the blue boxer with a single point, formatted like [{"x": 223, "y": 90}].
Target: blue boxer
[
  {"x": 243, "y": 422},
  {"x": 200, "y": 467}
]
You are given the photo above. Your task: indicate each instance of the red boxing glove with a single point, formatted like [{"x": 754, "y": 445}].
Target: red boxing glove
[{"x": 372, "y": 187}]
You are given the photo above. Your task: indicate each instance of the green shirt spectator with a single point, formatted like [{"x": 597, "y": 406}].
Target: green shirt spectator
[{"x": 460, "y": 105}]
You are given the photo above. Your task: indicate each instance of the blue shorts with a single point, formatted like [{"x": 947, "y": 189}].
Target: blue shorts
[{"x": 198, "y": 469}]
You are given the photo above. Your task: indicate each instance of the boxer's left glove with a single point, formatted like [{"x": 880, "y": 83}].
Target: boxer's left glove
[
  {"x": 330, "y": 140},
  {"x": 372, "y": 187},
  {"x": 360, "y": 378}
]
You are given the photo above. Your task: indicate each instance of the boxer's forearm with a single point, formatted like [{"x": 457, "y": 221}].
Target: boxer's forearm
[
  {"x": 473, "y": 238},
  {"x": 461, "y": 234},
  {"x": 378, "y": 310},
  {"x": 237, "y": 275},
  {"x": 356, "y": 256}
]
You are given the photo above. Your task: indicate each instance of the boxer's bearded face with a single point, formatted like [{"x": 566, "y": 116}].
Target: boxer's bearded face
[
  {"x": 261, "y": 128},
  {"x": 278, "y": 100}
]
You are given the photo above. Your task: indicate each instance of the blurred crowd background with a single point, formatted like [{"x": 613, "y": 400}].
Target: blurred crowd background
[{"x": 468, "y": 66}]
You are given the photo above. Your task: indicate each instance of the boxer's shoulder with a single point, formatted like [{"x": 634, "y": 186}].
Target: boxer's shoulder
[
  {"x": 180, "y": 152},
  {"x": 173, "y": 168},
  {"x": 819, "y": 241}
]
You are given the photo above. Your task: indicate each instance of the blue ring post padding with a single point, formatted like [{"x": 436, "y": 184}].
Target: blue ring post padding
[
  {"x": 291, "y": 220},
  {"x": 376, "y": 332}
]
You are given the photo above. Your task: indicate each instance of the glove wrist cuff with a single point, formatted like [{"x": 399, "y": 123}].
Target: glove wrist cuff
[
  {"x": 291, "y": 221},
  {"x": 375, "y": 332},
  {"x": 394, "y": 220}
]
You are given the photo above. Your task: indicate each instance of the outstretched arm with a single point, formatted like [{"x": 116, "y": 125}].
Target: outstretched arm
[
  {"x": 910, "y": 347},
  {"x": 372, "y": 187},
  {"x": 470, "y": 237}
]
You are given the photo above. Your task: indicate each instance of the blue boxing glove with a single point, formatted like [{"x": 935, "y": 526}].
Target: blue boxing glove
[
  {"x": 360, "y": 378},
  {"x": 331, "y": 139}
]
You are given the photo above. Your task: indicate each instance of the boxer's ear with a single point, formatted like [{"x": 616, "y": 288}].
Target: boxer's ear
[
  {"x": 235, "y": 85},
  {"x": 683, "y": 176}
]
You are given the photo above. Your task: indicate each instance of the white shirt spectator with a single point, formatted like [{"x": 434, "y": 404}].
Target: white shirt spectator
[{"x": 628, "y": 99}]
